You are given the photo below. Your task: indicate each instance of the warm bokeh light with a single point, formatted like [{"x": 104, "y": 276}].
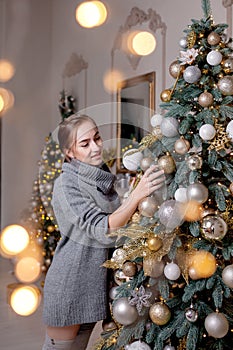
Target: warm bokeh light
[
  {"x": 141, "y": 43},
  {"x": 7, "y": 70},
  {"x": 91, "y": 14},
  {"x": 7, "y": 98},
  {"x": 111, "y": 79},
  {"x": 14, "y": 239},
  {"x": 28, "y": 270},
  {"x": 33, "y": 250},
  {"x": 25, "y": 300}
]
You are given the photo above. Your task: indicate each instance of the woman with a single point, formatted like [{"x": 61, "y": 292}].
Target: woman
[{"x": 86, "y": 208}]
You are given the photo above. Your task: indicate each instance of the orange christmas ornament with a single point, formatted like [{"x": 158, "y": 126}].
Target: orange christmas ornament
[{"x": 202, "y": 264}]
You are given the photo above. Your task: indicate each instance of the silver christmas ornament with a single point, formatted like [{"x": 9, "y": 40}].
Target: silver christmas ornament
[
  {"x": 119, "y": 277},
  {"x": 213, "y": 38},
  {"x": 227, "y": 276},
  {"x": 124, "y": 313},
  {"x": 148, "y": 206},
  {"x": 156, "y": 120},
  {"x": 192, "y": 74},
  {"x": 205, "y": 99},
  {"x": 213, "y": 227},
  {"x": 183, "y": 43},
  {"x": 225, "y": 85},
  {"x": 169, "y": 214},
  {"x": 138, "y": 345},
  {"x": 172, "y": 271},
  {"x": 131, "y": 159},
  {"x": 182, "y": 146},
  {"x": 181, "y": 195},
  {"x": 113, "y": 292},
  {"x": 169, "y": 347},
  {"x": 207, "y": 132},
  {"x": 214, "y": 58},
  {"x": 169, "y": 127},
  {"x": 146, "y": 163},
  {"x": 174, "y": 69},
  {"x": 216, "y": 325},
  {"x": 194, "y": 162},
  {"x": 191, "y": 314},
  {"x": 197, "y": 192}
]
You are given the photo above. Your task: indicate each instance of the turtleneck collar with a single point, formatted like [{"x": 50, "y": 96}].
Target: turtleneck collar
[{"x": 96, "y": 176}]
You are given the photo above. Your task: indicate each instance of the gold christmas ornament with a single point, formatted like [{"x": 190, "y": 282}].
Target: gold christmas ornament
[
  {"x": 213, "y": 38},
  {"x": 160, "y": 313},
  {"x": 182, "y": 146},
  {"x": 167, "y": 164},
  {"x": 154, "y": 243},
  {"x": 191, "y": 39},
  {"x": 202, "y": 264},
  {"x": 175, "y": 69},
  {"x": 129, "y": 269},
  {"x": 227, "y": 65},
  {"x": 213, "y": 227},
  {"x": 165, "y": 95},
  {"x": 231, "y": 188},
  {"x": 205, "y": 99},
  {"x": 194, "y": 162}
]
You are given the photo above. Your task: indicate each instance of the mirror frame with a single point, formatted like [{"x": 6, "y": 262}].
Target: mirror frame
[{"x": 132, "y": 82}]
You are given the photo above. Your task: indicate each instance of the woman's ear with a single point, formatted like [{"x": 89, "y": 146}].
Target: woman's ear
[{"x": 70, "y": 153}]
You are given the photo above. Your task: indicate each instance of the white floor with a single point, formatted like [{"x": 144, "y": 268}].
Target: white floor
[{"x": 19, "y": 332}]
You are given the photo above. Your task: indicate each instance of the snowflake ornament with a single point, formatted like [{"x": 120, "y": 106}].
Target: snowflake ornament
[
  {"x": 139, "y": 299},
  {"x": 188, "y": 57}
]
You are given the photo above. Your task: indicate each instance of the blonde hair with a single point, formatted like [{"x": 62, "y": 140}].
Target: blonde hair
[{"x": 68, "y": 130}]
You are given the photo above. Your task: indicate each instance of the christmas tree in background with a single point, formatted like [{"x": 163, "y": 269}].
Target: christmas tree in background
[{"x": 172, "y": 285}]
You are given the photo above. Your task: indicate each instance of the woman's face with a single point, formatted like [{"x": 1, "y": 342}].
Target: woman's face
[{"x": 88, "y": 144}]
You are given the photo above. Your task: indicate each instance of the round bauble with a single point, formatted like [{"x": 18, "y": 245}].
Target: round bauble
[
  {"x": 119, "y": 255},
  {"x": 169, "y": 347},
  {"x": 197, "y": 192},
  {"x": 169, "y": 127},
  {"x": 172, "y": 271},
  {"x": 119, "y": 277},
  {"x": 216, "y": 325},
  {"x": 156, "y": 120},
  {"x": 183, "y": 43},
  {"x": 202, "y": 264},
  {"x": 146, "y": 163},
  {"x": 225, "y": 85},
  {"x": 137, "y": 345},
  {"x": 148, "y": 206},
  {"x": 167, "y": 163},
  {"x": 131, "y": 159},
  {"x": 152, "y": 267},
  {"x": 191, "y": 211},
  {"x": 181, "y": 195},
  {"x": 124, "y": 313},
  {"x": 227, "y": 276},
  {"x": 227, "y": 65},
  {"x": 113, "y": 292},
  {"x": 229, "y": 129},
  {"x": 192, "y": 74},
  {"x": 157, "y": 132},
  {"x": 182, "y": 146},
  {"x": 165, "y": 95},
  {"x": 207, "y": 132},
  {"x": 194, "y": 162},
  {"x": 129, "y": 269},
  {"x": 214, "y": 58},
  {"x": 169, "y": 214},
  {"x": 205, "y": 99},
  {"x": 108, "y": 325},
  {"x": 174, "y": 69},
  {"x": 191, "y": 314},
  {"x": 213, "y": 38},
  {"x": 160, "y": 314},
  {"x": 213, "y": 227},
  {"x": 154, "y": 243}
]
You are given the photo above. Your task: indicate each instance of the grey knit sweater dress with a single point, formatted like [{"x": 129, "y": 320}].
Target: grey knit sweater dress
[{"x": 75, "y": 290}]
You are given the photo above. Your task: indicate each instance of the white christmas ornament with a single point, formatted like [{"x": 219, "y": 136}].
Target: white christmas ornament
[
  {"x": 138, "y": 345},
  {"x": 131, "y": 159},
  {"x": 183, "y": 43},
  {"x": 169, "y": 347},
  {"x": 214, "y": 58},
  {"x": 207, "y": 132},
  {"x": 192, "y": 74},
  {"x": 169, "y": 127},
  {"x": 181, "y": 195},
  {"x": 156, "y": 120},
  {"x": 172, "y": 271},
  {"x": 229, "y": 129}
]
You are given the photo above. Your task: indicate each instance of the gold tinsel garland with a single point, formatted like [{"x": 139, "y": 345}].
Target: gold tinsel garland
[{"x": 221, "y": 140}]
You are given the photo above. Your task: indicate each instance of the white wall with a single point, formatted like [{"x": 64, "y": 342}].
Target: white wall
[{"x": 41, "y": 50}]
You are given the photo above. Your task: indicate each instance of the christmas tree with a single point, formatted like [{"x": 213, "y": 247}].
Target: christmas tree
[{"x": 172, "y": 285}]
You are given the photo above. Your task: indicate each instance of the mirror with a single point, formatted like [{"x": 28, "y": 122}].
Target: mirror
[{"x": 135, "y": 106}]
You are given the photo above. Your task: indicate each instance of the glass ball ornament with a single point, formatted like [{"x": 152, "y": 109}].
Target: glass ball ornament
[
  {"x": 165, "y": 95},
  {"x": 131, "y": 159},
  {"x": 216, "y": 325},
  {"x": 197, "y": 192},
  {"x": 169, "y": 347},
  {"x": 205, "y": 99},
  {"x": 194, "y": 162},
  {"x": 167, "y": 163},
  {"x": 153, "y": 267},
  {"x": 227, "y": 65},
  {"x": 202, "y": 264},
  {"x": 214, "y": 58},
  {"x": 113, "y": 292},
  {"x": 119, "y": 255},
  {"x": 182, "y": 146},
  {"x": 213, "y": 38},
  {"x": 213, "y": 227},
  {"x": 169, "y": 127},
  {"x": 227, "y": 276},
  {"x": 146, "y": 163},
  {"x": 175, "y": 68},
  {"x": 225, "y": 85},
  {"x": 229, "y": 129},
  {"x": 119, "y": 277},
  {"x": 183, "y": 43},
  {"x": 108, "y": 325},
  {"x": 129, "y": 269},
  {"x": 192, "y": 74},
  {"x": 181, "y": 195},
  {"x": 172, "y": 271},
  {"x": 156, "y": 120},
  {"x": 169, "y": 214},
  {"x": 154, "y": 243},
  {"x": 159, "y": 313},
  {"x": 123, "y": 312},
  {"x": 207, "y": 132},
  {"x": 191, "y": 314},
  {"x": 137, "y": 345},
  {"x": 148, "y": 206}
]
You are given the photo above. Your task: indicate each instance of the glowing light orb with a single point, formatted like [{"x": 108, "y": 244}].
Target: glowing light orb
[
  {"x": 1, "y": 103},
  {"x": 7, "y": 70},
  {"x": 6, "y": 100},
  {"x": 91, "y": 14},
  {"x": 141, "y": 43},
  {"x": 111, "y": 79},
  {"x": 25, "y": 300},
  {"x": 14, "y": 239},
  {"x": 28, "y": 269}
]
